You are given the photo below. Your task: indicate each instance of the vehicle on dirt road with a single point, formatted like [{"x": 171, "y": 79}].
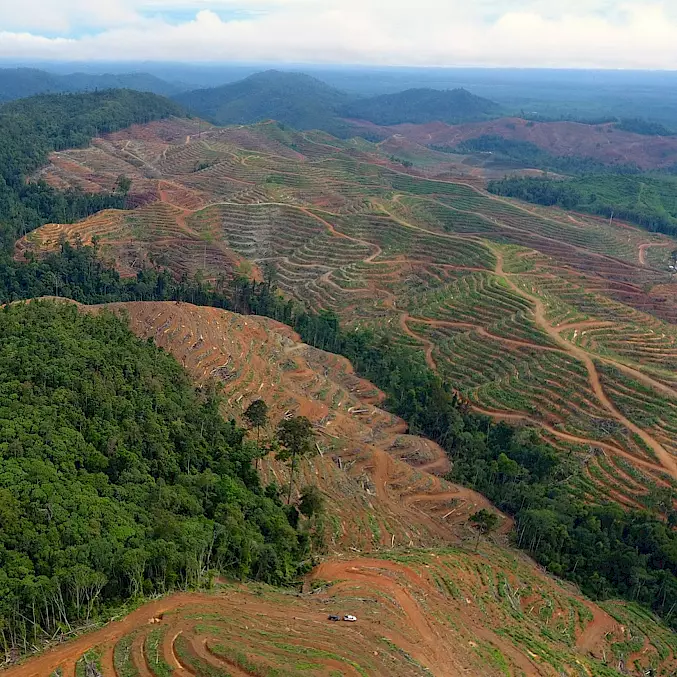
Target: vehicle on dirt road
[
  {"x": 334, "y": 618},
  {"x": 349, "y": 618}
]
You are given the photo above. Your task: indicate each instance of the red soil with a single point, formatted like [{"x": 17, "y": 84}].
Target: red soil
[{"x": 602, "y": 142}]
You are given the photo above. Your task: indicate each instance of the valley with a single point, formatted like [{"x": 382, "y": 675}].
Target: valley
[{"x": 555, "y": 320}]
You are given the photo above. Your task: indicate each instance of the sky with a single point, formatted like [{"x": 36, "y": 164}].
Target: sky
[{"x": 524, "y": 33}]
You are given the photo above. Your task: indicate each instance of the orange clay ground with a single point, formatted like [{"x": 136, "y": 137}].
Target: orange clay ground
[
  {"x": 445, "y": 613},
  {"x": 437, "y": 608}
]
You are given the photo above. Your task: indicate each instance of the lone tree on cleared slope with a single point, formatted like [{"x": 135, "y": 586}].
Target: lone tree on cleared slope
[
  {"x": 484, "y": 522},
  {"x": 296, "y": 435},
  {"x": 312, "y": 501}
]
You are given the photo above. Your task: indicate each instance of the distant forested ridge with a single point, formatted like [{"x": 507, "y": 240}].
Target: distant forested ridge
[
  {"x": 117, "y": 478},
  {"x": 645, "y": 127},
  {"x": 649, "y": 202},
  {"x": 304, "y": 102},
  {"x": 423, "y": 105},
  {"x": 20, "y": 83},
  {"x": 294, "y": 99}
]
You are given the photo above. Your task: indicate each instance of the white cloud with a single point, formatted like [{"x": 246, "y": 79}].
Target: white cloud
[
  {"x": 576, "y": 33},
  {"x": 59, "y": 16}
]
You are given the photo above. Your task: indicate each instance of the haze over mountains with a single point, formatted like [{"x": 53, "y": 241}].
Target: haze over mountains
[
  {"x": 296, "y": 99},
  {"x": 17, "y": 83}
]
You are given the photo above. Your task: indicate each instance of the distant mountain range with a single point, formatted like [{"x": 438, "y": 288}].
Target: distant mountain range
[
  {"x": 18, "y": 83},
  {"x": 293, "y": 99},
  {"x": 304, "y": 102}
]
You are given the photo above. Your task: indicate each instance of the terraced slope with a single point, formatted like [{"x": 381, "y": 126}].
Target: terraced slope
[
  {"x": 537, "y": 316},
  {"x": 445, "y": 612},
  {"x": 436, "y": 608},
  {"x": 376, "y": 478},
  {"x": 604, "y": 142}
]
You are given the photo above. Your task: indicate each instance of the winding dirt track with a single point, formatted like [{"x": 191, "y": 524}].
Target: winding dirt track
[
  {"x": 644, "y": 247},
  {"x": 667, "y": 461},
  {"x": 409, "y": 611},
  {"x": 69, "y": 653},
  {"x": 398, "y": 582}
]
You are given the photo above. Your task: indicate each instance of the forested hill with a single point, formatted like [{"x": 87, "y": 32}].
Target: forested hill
[
  {"x": 18, "y": 83},
  {"x": 423, "y": 105},
  {"x": 295, "y": 99},
  {"x": 31, "y": 128},
  {"x": 117, "y": 478},
  {"x": 69, "y": 120},
  {"x": 305, "y": 102}
]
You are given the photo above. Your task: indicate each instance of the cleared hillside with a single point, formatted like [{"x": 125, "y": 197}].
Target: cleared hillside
[
  {"x": 534, "y": 315},
  {"x": 604, "y": 142},
  {"x": 443, "y": 610},
  {"x": 444, "y": 613},
  {"x": 366, "y": 463}
]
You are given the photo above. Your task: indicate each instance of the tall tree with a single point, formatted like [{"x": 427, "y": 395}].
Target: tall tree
[
  {"x": 484, "y": 522},
  {"x": 296, "y": 435},
  {"x": 312, "y": 501},
  {"x": 256, "y": 415}
]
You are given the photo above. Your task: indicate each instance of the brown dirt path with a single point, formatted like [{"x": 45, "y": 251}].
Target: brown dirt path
[
  {"x": 643, "y": 249},
  {"x": 429, "y": 345},
  {"x": 107, "y": 663},
  {"x": 596, "y": 631},
  {"x": 431, "y": 649},
  {"x": 483, "y": 332},
  {"x": 512, "y": 417},
  {"x": 139, "y": 655},
  {"x": 371, "y": 572},
  {"x": 668, "y": 462},
  {"x": 68, "y": 653},
  {"x": 666, "y": 459}
]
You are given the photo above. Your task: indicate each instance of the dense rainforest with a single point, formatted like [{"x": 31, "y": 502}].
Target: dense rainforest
[
  {"x": 649, "y": 202},
  {"x": 117, "y": 478},
  {"x": 294, "y": 99}
]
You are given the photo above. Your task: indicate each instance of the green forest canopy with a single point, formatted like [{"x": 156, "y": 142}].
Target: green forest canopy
[
  {"x": 117, "y": 478},
  {"x": 294, "y": 99},
  {"x": 649, "y": 202},
  {"x": 423, "y": 105}
]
